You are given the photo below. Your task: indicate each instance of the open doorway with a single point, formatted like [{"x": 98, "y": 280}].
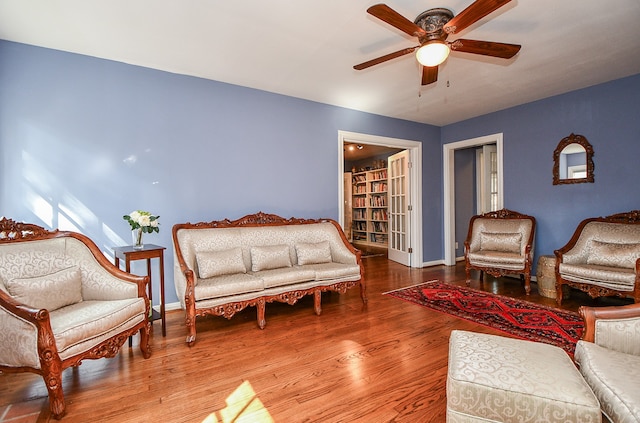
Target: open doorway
[
  {"x": 406, "y": 228},
  {"x": 449, "y": 161}
]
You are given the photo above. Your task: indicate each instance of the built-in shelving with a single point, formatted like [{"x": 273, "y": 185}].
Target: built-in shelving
[{"x": 369, "y": 203}]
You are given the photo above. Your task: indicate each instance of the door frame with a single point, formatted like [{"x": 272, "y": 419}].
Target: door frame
[
  {"x": 448, "y": 151},
  {"x": 415, "y": 173}
]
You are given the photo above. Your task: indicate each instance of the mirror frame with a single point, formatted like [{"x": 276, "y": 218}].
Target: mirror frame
[{"x": 572, "y": 139}]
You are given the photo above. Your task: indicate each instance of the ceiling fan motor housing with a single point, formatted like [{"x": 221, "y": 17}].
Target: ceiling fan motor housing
[{"x": 432, "y": 22}]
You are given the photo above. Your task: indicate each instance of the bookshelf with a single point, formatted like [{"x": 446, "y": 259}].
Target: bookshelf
[{"x": 369, "y": 207}]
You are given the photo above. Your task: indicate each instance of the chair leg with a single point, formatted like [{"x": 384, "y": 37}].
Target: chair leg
[
  {"x": 145, "y": 347},
  {"x": 527, "y": 283},
  {"x": 363, "y": 292},
  {"x": 468, "y": 272},
  {"x": 260, "y": 306},
  {"x": 52, "y": 375},
  {"x": 317, "y": 302},
  {"x": 558, "y": 293}
]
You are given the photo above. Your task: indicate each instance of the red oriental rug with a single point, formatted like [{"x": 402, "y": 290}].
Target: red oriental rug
[{"x": 518, "y": 318}]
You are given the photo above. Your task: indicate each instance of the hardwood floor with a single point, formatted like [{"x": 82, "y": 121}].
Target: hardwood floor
[{"x": 386, "y": 361}]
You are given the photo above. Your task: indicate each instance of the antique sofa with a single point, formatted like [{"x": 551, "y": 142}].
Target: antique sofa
[
  {"x": 602, "y": 258},
  {"x": 222, "y": 267},
  {"x": 62, "y": 301},
  {"x": 609, "y": 359},
  {"x": 500, "y": 243}
]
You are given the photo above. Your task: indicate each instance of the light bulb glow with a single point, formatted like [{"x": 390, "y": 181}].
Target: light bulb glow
[{"x": 433, "y": 53}]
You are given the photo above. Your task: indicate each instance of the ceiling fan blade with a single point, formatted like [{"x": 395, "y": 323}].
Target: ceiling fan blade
[
  {"x": 429, "y": 74},
  {"x": 393, "y": 18},
  {"x": 476, "y": 11},
  {"x": 486, "y": 48},
  {"x": 384, "y": 58}
]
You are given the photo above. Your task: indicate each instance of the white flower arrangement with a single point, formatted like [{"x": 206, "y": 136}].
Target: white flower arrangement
[{"x": 143, "y": 220}]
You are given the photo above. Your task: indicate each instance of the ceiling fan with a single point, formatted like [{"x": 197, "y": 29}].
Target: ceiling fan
[{"x": 432, "y": 28}]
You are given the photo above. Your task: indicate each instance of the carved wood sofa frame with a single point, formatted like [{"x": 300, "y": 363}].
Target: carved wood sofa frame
[
  {"x": 229, "y": 309},
  {"x": 496, "y": 271},
  {"x": 51, "y": 365},
  {"x": 594, "y": 290}
]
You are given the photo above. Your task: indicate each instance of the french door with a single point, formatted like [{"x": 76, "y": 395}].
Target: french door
[{"x": 399, "y": 249}]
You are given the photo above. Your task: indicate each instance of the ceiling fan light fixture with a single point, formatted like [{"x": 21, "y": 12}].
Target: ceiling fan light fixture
[{"x": 433, "y": 53}]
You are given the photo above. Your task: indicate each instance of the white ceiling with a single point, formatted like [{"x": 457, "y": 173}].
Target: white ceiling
[{"x": 306, "y": 49}]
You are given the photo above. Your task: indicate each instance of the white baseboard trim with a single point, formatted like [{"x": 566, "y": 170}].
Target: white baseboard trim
[
  {"x": 168, "y": 307},
  {"x": 432, "y": 263}
]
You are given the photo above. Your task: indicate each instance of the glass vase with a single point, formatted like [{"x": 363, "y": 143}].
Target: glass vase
[{"x": 136, "y": 235}]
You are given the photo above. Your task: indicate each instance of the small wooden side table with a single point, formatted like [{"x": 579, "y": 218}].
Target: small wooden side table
[{"x": 149, "y": 251}]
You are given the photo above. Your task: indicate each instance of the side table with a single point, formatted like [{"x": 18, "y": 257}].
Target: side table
[{"x": 149, "y": 251}]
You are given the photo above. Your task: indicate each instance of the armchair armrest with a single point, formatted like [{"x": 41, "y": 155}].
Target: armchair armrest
[
  {"x": 25, "y": 330},
  {"x": 616, "y": 328}
]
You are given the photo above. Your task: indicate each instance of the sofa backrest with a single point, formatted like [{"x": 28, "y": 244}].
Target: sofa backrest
[
  {"x": 196, "y": 240},
  {"x": 32, "y": 259},
  {"x": 599, "y": 241},
  {"x": 495, "y": 231}
]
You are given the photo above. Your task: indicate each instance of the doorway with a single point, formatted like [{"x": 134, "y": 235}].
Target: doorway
[
  {"x": 449, "y": 186},
  {"x": 414, "y": 192}
]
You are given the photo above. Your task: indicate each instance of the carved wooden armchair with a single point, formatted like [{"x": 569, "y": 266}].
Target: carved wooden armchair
[
  {"x": 609, "y": 359},
  {"x": 62, "y": 301},
  {"x": 602, "y": 258},
  {"x": 500, "y": 243}
]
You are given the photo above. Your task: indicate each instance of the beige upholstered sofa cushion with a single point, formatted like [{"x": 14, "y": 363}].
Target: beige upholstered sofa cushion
[
  {"x": 51, "y": 291},
  {"x": 225, "y": 285},
  {"x": 270, "y": 257},
  {"x": 217, "y": 263},
  {"x": 614, "y": 254},
  {"x": 498, "y": 379},
  {"x": 507, "y": 242},
  {"x": 313, "y": 253}
]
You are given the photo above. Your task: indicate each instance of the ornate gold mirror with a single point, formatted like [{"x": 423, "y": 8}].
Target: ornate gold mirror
[{"x": 573, "y": 161}]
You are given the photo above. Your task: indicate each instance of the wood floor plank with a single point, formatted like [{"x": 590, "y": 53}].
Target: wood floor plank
[{"x": 386, "y": 361}]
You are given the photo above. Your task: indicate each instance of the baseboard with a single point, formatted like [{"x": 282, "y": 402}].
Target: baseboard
[
  {"x": 169, "y": 307},
  {"x": 432, "y": 263}
]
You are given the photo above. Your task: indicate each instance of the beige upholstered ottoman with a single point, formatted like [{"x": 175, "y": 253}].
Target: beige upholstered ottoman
[{"x": 499, "y": 379}]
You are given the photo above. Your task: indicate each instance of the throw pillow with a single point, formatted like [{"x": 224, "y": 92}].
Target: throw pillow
[
  {"x": 218, "y": 263},
  {"x": 51, "y": 292},
  {"x": 313, "y": 253},
  {"x": 270, "y": 257},
  {"x": 613, "y": 254},
  {"x": 506, "y": 242}
]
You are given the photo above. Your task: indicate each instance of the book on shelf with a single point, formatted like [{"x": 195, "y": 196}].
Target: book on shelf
[{"x": 378, "y": 201}]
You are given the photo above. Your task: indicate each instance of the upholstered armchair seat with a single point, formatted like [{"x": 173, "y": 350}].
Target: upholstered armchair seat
[
  {"x": 82, "y": 326},
  {"x": 513, "y": 261},
  {"x": 500, "y": 243},
  {"x": 62, "y": 301}
]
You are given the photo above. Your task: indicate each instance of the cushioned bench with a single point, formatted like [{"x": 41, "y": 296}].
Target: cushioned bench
[{"x": 498, "y": 379}]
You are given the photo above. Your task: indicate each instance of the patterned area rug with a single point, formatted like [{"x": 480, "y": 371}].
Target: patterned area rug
[{"x": 518, "y": 318}]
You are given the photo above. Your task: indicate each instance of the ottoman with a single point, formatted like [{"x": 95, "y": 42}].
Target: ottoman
[{"x": 499, "y": 379}]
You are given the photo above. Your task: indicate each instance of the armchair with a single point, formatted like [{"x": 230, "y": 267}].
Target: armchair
[
  {"x": 602, "y": 258},
  {"x": 500, "y": 243},
  {"x": 609, "y": 359},
  {"x": 62, "y": 301}
]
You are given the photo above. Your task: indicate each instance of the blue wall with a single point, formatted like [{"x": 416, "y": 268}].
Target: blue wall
[
  {"x": 84, "y": 141},
  {"x": 608, "y": 115}
]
